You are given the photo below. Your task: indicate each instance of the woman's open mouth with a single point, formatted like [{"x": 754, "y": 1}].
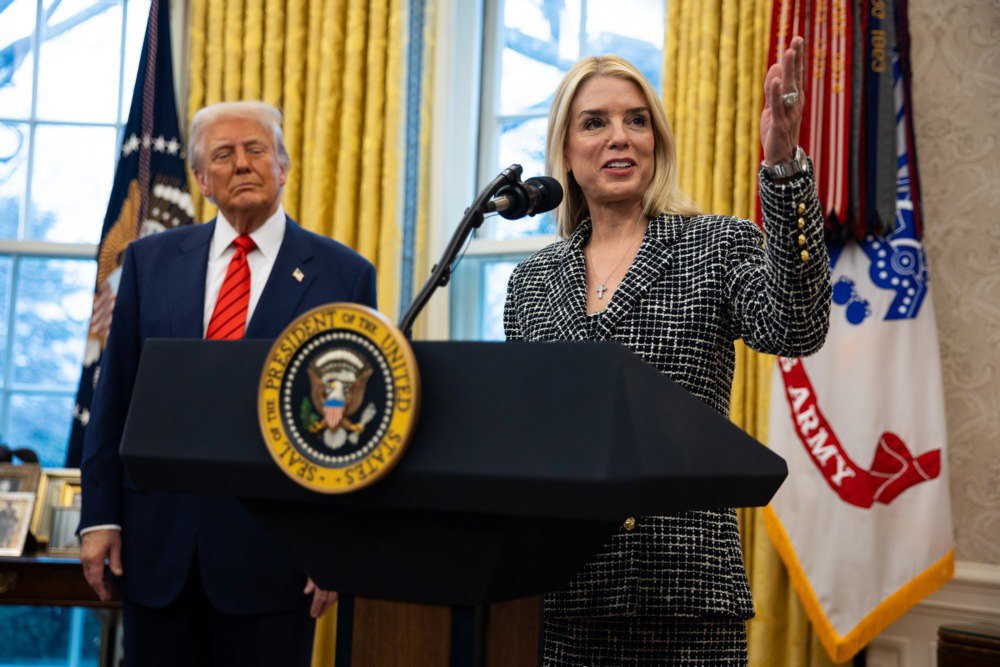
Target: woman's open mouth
[{"x": 621, "y": 166}]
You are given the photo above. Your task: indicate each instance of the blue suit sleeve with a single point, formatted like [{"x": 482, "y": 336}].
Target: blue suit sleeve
[
  {"x": 364, "y": 289},
  {"x": 101, "y": 468}
]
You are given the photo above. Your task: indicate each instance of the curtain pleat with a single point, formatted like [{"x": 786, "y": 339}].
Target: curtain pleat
[
  {"x": 293, "y": 95},
  {"x": 253, "y": 51},
  {"x": 714, "y": 64}
]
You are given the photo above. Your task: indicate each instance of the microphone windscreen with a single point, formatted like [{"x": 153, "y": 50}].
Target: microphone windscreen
[{"x": 549, "y": 190}]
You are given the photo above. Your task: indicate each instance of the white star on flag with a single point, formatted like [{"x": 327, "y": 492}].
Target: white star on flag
[{"x": 130, "y": 146}]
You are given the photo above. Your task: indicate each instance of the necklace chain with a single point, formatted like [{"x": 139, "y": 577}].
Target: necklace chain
[{"x": 602, "y": 287}]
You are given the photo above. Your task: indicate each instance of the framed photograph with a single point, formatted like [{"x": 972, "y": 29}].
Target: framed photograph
[
  {"x": 15, "y": 516},
  {"x": 50, "y": 494},
  {"x": 22, "y": 478}
]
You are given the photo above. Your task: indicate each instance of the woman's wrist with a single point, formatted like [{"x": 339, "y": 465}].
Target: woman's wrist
[{"x": 787, "y": 170}]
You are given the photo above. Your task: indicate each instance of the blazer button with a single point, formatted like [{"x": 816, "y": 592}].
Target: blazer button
[
  {"x": 629, "y": 524},
  {"x": 801, "y": 208}
]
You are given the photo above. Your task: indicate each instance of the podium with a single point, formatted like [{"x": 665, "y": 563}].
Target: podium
[{"x": 526, "y": 458}]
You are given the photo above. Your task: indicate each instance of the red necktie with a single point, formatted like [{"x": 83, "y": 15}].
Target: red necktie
[{"x": 229, "y": 319}]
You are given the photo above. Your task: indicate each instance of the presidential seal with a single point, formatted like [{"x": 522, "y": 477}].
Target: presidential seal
[{"x": 339, "y": 397}]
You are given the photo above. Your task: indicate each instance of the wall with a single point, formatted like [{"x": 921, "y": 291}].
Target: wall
[{"x": 956, "y": 104}]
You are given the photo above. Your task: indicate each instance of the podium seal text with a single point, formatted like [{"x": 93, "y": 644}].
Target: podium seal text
[{"x": 339, "y": 397}]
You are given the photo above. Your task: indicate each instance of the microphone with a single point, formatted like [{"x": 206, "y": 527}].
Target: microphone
[{"x": 535, "y": 195}]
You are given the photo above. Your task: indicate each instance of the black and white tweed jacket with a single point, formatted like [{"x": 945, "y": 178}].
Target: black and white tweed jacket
[{"x": 696, "y": 285}]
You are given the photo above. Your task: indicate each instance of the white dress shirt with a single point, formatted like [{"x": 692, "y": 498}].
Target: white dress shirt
[{"x": 268, "y": 238}]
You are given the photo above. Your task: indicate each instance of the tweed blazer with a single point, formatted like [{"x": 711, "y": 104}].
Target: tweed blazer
[{"x": 695, "y": 286}]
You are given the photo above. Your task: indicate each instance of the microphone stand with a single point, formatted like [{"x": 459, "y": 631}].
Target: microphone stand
[{"x": 472, "y": 220}]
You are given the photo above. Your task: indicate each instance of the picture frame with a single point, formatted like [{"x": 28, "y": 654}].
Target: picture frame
[
  {"x": 22, "y": 478},
  {"x": 15, "y": 518},
  {"x": 50, "y": 489},
  {"x": 71, "y": 494}
]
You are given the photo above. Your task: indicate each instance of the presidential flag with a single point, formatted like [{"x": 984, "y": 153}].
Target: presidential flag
[
  {"x": 149, "y": 195},
  {"x": 863, "y": 522}
]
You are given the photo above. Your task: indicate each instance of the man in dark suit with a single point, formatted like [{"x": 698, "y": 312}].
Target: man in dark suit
[{"x": 201, "y": 582}]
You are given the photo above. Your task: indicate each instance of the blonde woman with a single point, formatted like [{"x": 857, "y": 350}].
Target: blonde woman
[{"x": 639, "y": 265}]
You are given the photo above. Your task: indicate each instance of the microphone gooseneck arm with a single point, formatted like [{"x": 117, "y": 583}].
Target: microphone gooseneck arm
[{"x": 472, "y": 220}]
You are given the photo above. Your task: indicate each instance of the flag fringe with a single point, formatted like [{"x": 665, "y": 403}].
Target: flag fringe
[{"x": 843, "y": 648}]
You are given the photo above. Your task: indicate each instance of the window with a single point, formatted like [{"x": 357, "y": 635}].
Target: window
[
  {"x": 67, "y": 69},
  {"x": 528, "y": 46},
  {"x": 61, "y": 116}
]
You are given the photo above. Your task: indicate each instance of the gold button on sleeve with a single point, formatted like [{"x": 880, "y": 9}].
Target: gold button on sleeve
[
  {"x": 801, "y": 223},
  {"x": 802, "y": 239},
  {"x": 629, "y": 524},
  {"x": 804, "y": 255},
  {"x": 801, "y": 208}
]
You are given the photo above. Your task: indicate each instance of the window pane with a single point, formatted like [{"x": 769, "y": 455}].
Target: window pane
[
  {"x": 495, "y": 277},
  {"x": 6, "y": 264},
  {"x": 136, "y": 15},
  {"x": 17, "y": 23},
  {"x": 52, "y": 310},
  {"x": 543, "y": 30},
  {"x": 74, "y": 169},
  {"x": 14, "y": 141},
  {"x": 41, "y": 422},
  {"x": 613, "y": 27},
  {"x": 71, "y": 87},
  {"x": 41, "y": 635},
  {"x": 540, "y": 43},
  {"x": 478, "y": 298},
  {"x": 531, "y": 91},
  {"x": 523, "y": 142}
]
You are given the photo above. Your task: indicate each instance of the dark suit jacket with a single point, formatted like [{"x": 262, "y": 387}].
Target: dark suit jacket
[
  {"x": 696, "y": 284},
  {"x": 162, "y": 295}
]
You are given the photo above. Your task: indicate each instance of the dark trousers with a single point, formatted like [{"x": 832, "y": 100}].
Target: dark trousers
[{"x": 190, "y": 631}]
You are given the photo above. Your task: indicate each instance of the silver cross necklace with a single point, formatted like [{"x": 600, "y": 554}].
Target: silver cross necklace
[{"x": 602, "y": 287}]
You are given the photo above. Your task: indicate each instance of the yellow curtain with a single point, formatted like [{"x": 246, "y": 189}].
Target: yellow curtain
[
  {"x": 336, "y": 70},
  {"x": 715, "y": 58},
  {"x": 334, "y": 67}
]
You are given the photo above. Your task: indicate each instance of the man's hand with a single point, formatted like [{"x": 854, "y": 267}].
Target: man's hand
[
  {"x": 321, "y": 599},
  {"x": 100, "y": 546}
]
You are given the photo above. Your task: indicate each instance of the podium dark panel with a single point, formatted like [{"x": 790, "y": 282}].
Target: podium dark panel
[{"x": 525, "y": 458}]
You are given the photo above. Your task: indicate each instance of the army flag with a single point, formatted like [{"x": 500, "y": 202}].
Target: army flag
[
  {"x": 149, "y": 195},
  {"x": 863, "y": 523}
]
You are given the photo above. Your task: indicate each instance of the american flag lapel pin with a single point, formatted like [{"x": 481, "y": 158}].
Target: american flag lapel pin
[{"x": 298, "y": 275}]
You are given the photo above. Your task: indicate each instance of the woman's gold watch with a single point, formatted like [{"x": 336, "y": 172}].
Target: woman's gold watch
[{"x": 785, "y": 170}]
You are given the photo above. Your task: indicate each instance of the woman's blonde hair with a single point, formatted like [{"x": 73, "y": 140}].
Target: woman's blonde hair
[{"x": 663, "y": 195}]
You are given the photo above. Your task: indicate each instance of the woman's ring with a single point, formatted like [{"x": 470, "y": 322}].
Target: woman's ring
[{"x": 790, "y": 99}]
